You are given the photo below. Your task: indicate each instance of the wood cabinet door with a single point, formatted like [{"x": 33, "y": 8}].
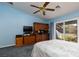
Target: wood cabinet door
[
  {"x": 19, "y": 42},
  {"x": 38, "y": 38},
  {"x": 31, "y": 40},
  {"x": 37, "y": 26},
  {"x": 44, "y": 37},
  {"x": 26, "y": 40},
  {"x": 46, "y": 27}
]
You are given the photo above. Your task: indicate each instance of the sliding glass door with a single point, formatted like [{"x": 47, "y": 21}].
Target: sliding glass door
[{"x": 67, "y": 30}]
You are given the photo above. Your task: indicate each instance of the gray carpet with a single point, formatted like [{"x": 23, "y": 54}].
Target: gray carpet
[{"x": 24, "y": 51}]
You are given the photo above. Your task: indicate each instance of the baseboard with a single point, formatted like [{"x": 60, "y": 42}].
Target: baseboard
[{"x": 7, "y": 45}]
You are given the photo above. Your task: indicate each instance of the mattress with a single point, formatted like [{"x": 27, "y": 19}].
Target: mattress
[{"x": 55, "y": 48}]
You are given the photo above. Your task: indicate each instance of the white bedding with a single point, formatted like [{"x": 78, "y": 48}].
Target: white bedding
[{"x": 55, "y": 48}]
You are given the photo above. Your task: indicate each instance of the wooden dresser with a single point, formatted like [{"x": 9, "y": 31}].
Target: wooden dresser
[{"x": 31, "y": 39}]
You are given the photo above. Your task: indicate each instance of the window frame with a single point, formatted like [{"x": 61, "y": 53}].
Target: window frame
[{"x": 63, "y": 21}]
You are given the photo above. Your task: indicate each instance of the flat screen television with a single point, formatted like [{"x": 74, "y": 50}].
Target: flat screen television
[{"x": 27, "y": 29}]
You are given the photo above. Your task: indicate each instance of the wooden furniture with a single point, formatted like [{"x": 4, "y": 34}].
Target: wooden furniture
[
  {"x": 25, "y": 40},
  {"x": 38, "y": 38},
  {"x": 29, "y": 39},
  {"x": 45, "y": 36},
  {"x": 42, "y": 36},
  {"x": 38, "y": 26},
  {"x": 19, "y": 40},
  {"x": 34, "y": 37}
]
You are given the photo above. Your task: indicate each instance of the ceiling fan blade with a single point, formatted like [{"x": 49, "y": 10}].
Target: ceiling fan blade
[
  {"x": 34, "y": 6},
  {"x": 44, "y": 13},
  {"x": 36, "y": 11},
  {"x": 45, "y": 4},
  {"x": 10, "y": 3},
  {"x": 50, "y": 9},
  {"x": 58, "y": 6}
]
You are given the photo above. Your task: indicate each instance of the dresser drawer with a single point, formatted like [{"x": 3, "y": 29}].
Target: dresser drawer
[
  {"x": 26, "y": 41},
  {"x": 29, "y": 40},
  {"x": 19, "y": 41}
]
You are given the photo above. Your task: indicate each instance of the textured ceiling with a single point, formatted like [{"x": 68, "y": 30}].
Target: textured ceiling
[{"x": 66, "y": 7}]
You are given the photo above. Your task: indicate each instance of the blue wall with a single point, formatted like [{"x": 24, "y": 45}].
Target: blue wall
[{"x": 12, "y": 22}]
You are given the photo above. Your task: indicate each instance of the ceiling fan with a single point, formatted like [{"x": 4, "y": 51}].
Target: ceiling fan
[{"x": 43, "y": 8}]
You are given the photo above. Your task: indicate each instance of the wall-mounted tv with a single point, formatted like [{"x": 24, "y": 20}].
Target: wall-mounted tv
[{"x": 27, "y": 29}]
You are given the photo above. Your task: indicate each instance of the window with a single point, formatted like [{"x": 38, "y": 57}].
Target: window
[
  {"x": 67, "y": 30},
  {"x": 59, "y": 30}
]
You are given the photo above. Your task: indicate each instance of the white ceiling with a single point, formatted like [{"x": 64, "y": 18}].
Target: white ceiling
[{"x": 66, "y": 7}]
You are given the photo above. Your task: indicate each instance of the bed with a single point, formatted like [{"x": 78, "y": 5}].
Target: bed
[{"x": 55, "y": 48}]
